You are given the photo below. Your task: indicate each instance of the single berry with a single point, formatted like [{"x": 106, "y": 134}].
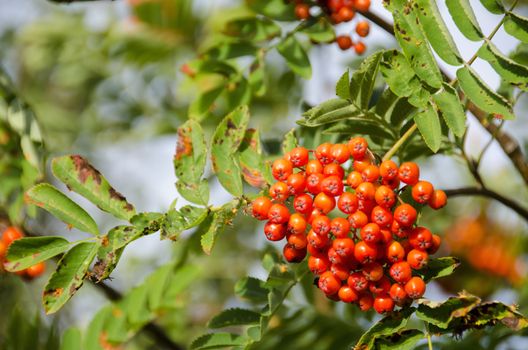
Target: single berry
[
  {"x": 303, "y": 203},
  {"x": 323, "y": 153},
  {"x": 279, "y": 191},
  {"x": 417, "y": 259},
  {"x": 421, "y": 238},
  {"x": 318, "y": 265},
  {"x": 324, "y": 202},
  {"x": 260, "y": 208},
  {"x": 370, "y": 173},
  {"x": 401, "y": 271},
  {"x": 362, "y": 5},
  {"x": 293, "y": 255},
  {"x": 281, "y": 169},
  {"x": 313, "y": 183},
  {"x": 362, "y": 28},
  {"x": 302, "y": 11},
  {"x": 36, "y": 270},
  {"x": 381, "y": 216},
  {"x": 409, "y": 173},
  {"x": 340, "y": 227},
  {"x": 328, "y": 283},
  {"x": 438, "y": 199},
  {"x": 358, "y": 147},
  {"x": 358, "y": 219},
  {"x": 365, "y": 253},
  {"x": 278, "y": 214},
  {"x": 383, "y": 304},
  {"x": 296, "y": 183},
  {"x": 334, "y": 169},
  {"x": 11, "y": 234},
  {"x": 388, "y": 170},
  {"x": 274, "y": 232},
  {"x": 347, "y": 294},
  {"x": 314, "y": 167},
  {"x": 405, "y": 215},
  {"x": 347, "y": 203},
  {"x": 365, "y": 302},
  {"x": 340, "y": 153},
  {"x": 415, "y": 287},
  {"x": 360, "y": 48},
  {"x": 299, "y": 156},
  {"x": 354, "y": 179},
  {"x": 385, "y": 196},
  {"x": 297, "y": 223},
  {"x": 358, "y": 282},
  {"x": 422, "y": 191},
  {"x": 395, "y": 252}
]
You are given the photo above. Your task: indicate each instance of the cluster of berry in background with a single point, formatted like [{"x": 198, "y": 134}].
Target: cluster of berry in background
[
  {"x": 339, "y": 11},
  {"x": 369, "y": 250},
  {"x": 10, "y": 235}
]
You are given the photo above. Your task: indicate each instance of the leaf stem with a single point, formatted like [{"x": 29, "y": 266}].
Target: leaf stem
[
  {"x": 429, "y": 340},
  {"x": 400, "y": 142}
]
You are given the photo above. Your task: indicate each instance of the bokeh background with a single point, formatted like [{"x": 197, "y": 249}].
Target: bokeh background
[{"x": 104, "y": 81}]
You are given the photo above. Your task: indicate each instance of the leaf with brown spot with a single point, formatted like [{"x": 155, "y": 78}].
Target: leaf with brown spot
[
  {"x": 226, "y": 140},
  {"x": 81, "y": 177},
  {"x": 69, "y": 276},
  {"x": 28, "y": 251},
  {"x": 189, "y": 163},
  {"x": 221, "y": 218},
  {"x": 251, "y": 160}
]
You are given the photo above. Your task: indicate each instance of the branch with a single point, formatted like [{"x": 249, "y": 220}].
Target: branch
[
  {"x": 509, "y": 145},
  {"x": 484, "y": 192}
]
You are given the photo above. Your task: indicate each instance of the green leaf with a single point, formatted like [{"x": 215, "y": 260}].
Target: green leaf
[
  {"x": 411, "y": 37},
  {"x": 87, "y": 181},
  {"x": 398, "y": 74},
  {"x": 226, "y": 140},
  {"x": 252, "y": 162},
  {"x": 229, "y": 50},
  {"x": 237, "y": 93},
  {"x": 290, "y": 141},
  {"x": 360, "y": 127},
  {"x": 344, "y": 113},
  {"x": 295, "y": 56},
  {"x": 440, "y": 267},
  {"x": 51, "y": 199},
  {"x": 451, "y": 109},
  {"x": 321, "y": 30},
  {"x": 95, "y": 331},
  {"x": 275, "y": 9},
  {"x": 189, "y": 163},
  {"x": 516, "y": 26},
  {"x": 221, "y": 218},
  {"x": 219, "y": 341},
  {"x": 69, "y": 276},
  {"x": 199, "y": 108},
  {"x": 343, "y": 86},
  {"x": 252, "y": 289},
  {"x": 28, "y": 251},
  {"x": 437, "y": 33},
  {"x": 71, "y": 339},
  {"x": 157, "y": 283},
  {"x": 430, "y": 128},
  {"x": 234, "y": 317},
  {"x": 179, "y": 282},
  {"x": 253, "y": 29},
  {"x": 257, "y": 76},
  {"x": 177, "y": 221},
  {"x": 441, "y": 314},
  {"x": 403, "y": 340},
  {"x": 465, "y": 19},
  {"x": 493, "y": 6},
  {"x": 508, "y": 69},
  {"x": 363, "y": 80},
  {"x": 386, "y": 326},
  {"x": 482, "y": 95}
]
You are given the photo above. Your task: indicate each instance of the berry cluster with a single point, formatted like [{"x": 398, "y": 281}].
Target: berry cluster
[
  {"x": 340, "y": 11},
  {"x": 11, "y": 234},
  {"x": 371, "y": 255}
]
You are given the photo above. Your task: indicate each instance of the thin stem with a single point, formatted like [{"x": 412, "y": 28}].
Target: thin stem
[
  {"x": 490, "y": 142},
  {"x": 400, "y": 142},
  {"x": 428, "y": 335},
  {"x": 485, "y": 192}
]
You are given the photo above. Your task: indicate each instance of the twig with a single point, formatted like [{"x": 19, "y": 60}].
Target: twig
[
  {"x": 400, "y": 142},
  {"x": 484, "y": 192}
]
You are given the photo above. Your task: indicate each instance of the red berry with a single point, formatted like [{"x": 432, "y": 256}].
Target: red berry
[
  {"x": 314, "y": 167},
  {"x": 383, "y": 304},
  {"x": 340, "y": 153},
  {"x": 370, "y": 173},
  {"x": 385, "y": 197},
  {"x": 381, "y": 216},
  {"x": 298, "y": 241},
  {"x": 296, "y": 183},
  {"x": 274, "y": 232},
  {"x": 346, "y": 14},
  {"x": 347, "y": 203},
  {"x": 299, "y": 156},
  {"x": 344, "y": 247},
  {"x": 401, "y": 271},
  {"x": 362, "y": 5},
  {"x": 340, "y": 227},
  {"x": 398, "y": 294},
  {"x": 417, "y": 259},
  {"x": 36, "y": 270},
  {"x": 11, "y": 234},
  {"x": 328, "y": 283},
  {"x": 303, "y": 203},
  {"x": 293, "y": 255},
  {"x": 409, "y": 173},
  {"x": 317, "y": 241},
  {"x": 347, "y": 294},
  {"x": 435, "y": 245},
  {"x": 332, "y": 185},
  {"x": 422, "y": 191},
  {"x": 323, "y": 152},
  {"x": 318, "y": 264},
  {"x": 362, "y": 28},
  {"x": 360, "y": 48},
  {"x": 334, "y": 5},
  {"x": 334, "y": 169},
  {"x": 302, "y": 11},
  {"x": 358, "y": 147},
  {"x": 260, "y": 208},
  {"x": 279, "y": 191},
  {"x": 358, "y": 219},
  {"x": 365, "y": 253},
  {"x": 354, "y": 179},
  {"x": 361, "y": 164},
  {"x": 297, "y": 223},
  {"x": 371, "y": 234},
  {"x": 324, "y": 202},
  {"x": 313, "y": 183},
  {"x": 388, "y": 170},
  {"x": 278, "y": 214},
  {"x": 373, "y": 271},
  {"x": 281, "y": 169},
  {"x": 438, "y": 199},
  {"x": 340, "y": 271},
  {"x": 358, "y": 282},
  {"x": 421, "y": 238},
  {"x": 321, "y": 224},
  {"x": 365, "y": 302},
  {"x": 395, "y": 252},
  {"x": 366, "y": 191},
  {"x": 415, "y": 287},
  {"x": 405, "y": 215},
  {"x": 381, "y": 286},
  {"x": 344, "y": 42}
]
